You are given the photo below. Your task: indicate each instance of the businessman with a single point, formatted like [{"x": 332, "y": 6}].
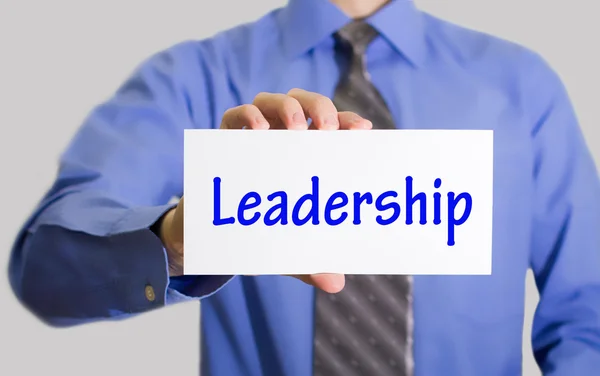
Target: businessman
[{"x": 106, "y": 240}]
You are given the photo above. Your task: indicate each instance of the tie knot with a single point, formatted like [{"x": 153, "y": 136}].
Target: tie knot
[{"x": 357, "y": 35}]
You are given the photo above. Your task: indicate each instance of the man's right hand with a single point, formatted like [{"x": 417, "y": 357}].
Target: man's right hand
[{"x": 271, "y": 111}]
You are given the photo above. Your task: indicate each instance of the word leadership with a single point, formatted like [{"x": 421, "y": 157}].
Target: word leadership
[{"x": 389, "y": 209}]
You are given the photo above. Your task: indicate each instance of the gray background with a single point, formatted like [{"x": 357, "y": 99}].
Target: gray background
[{"x": 60, "y": 58}]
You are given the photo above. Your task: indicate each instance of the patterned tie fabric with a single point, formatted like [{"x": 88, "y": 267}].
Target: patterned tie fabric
[
  {"x": 355, "y": 92},
  {"x": 365, "y": 330}
]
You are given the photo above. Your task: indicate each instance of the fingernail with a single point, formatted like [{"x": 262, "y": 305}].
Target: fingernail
[
  {"x": 360, "y": 123},
  {"x": 261, "y": 123},
  {"x": 331, "y": 120},
  {"x": 367, "y": 124},
  {"x": 338, "y": 284},
  {"x": 299, "y": 119}
]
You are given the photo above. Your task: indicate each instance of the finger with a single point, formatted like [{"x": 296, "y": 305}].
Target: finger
[
  {"x": 350, "y": 120},
  {"x": 245, "y": 116},
  {"x": 281, "y": 110},
  {"x": 175, "y": 262},
  {"x": 317, "y": 107},
  {"x": 330, "y": 283}
]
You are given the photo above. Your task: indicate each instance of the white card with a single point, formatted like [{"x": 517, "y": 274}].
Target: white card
[{"x": 303, "y": 202}]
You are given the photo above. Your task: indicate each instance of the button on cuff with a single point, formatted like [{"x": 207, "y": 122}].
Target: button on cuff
[{"x": 149, "y": 292}]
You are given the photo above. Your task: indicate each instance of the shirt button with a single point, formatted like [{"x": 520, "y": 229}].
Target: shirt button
[{"x": 150, "y": 293}]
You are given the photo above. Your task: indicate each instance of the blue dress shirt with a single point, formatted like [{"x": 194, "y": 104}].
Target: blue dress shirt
[{"x": 87, "y": 253}]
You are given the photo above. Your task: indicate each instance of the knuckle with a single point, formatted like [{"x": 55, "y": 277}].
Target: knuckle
[
  {"x": 233, "y": 116},
  {"x": 289, "y": 103},
  {"x": 230, "y": 112},
  {"x": 322, "y": 101},
  {"x": 246, "y": 109},
  {"x": 260, "y": 96},
  {"x": 295, "y": 91},
  {"x": 353, "y": 116}
]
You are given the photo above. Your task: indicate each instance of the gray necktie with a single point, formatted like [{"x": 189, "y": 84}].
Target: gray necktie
[{"x": 367, "y": 328}]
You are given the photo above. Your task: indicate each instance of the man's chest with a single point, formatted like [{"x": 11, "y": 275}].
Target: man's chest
[{"x": 443, "y": 100}]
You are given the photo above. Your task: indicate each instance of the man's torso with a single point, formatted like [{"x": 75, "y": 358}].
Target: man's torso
[{"x": 467, "y": 325}]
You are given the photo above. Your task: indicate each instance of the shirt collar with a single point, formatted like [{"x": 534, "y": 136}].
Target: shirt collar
[{"x": 306, "y": 23}]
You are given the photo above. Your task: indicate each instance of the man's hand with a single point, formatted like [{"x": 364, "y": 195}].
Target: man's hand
[
  {"x": 271, "y": 111},
  {"x": 291, "y": 111}
]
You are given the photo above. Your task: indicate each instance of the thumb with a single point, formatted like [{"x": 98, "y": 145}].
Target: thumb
[{"x": 331, "y": 283}]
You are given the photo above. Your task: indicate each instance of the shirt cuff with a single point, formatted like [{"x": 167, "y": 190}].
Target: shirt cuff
[
  {"x": 140, "y": 218},
  {"x": 179, "y": 289},
  {"x": 198, "y": 287}
]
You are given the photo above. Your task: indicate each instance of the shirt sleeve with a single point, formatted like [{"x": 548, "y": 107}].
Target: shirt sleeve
[
  {"x": 87, "y": 252},
  {"x": 566, "y": 236}
]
